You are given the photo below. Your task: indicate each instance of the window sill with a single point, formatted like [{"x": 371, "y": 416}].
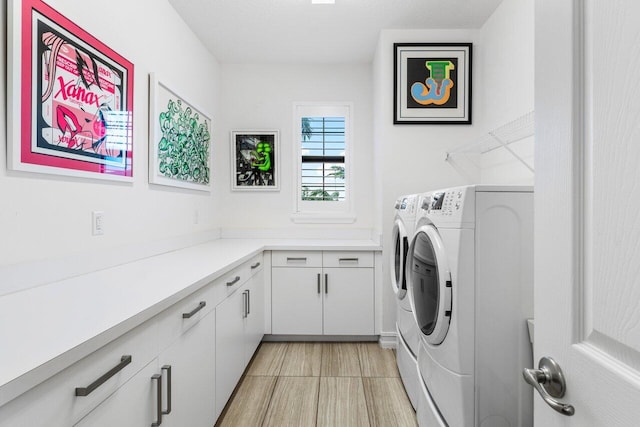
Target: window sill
[{"x": 323, "y": 218}]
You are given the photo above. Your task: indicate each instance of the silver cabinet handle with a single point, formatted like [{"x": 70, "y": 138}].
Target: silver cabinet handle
[
  {"x": 248, "y": 302},
  {"x": 168, "y": 369},
  {"x": 348, "y": 259},
  {"x": 244, "y": 305},
  {"x": 326, "y": 283},
  {"x": 549, "y": 381},
  {"x": 256, "y": 265},
  {"x": 234, "y": 281},
  {"x": 85, "y": 391},
  {"x": 190, "y": 314},
  {"x": 296, "y": 259},
  {"x": 319, "y": 283},
  {"x": 158, "y": 379}
]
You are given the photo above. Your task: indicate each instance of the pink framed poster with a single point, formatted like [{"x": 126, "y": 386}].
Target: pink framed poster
[{"x": 70, "y": 103}]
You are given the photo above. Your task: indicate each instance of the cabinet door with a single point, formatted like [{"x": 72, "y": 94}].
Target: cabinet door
[
  {"x": 133, "y": 404},
  {"x": 254, "y": 322},
  {"x": 230, "y": 356},
  {"x": 348, "y": 301},
  {"x": 296, "y": 301},
  {"x": 192, "y": 361}
]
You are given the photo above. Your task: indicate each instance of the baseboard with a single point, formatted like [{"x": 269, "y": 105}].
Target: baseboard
[
  {"x": 388, "y": 340},
  {"x": 320, "y": 338}
]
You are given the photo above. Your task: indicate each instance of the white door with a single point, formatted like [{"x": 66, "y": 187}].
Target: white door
[{"x": 587, "y": 207}]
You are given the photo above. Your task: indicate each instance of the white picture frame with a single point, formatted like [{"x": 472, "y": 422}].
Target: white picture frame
[
  {"x": 179, "y": 156},
  {"x": 255, "y": 160}
]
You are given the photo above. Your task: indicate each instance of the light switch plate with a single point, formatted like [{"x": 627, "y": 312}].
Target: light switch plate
[{"x": 97, "y": 223}]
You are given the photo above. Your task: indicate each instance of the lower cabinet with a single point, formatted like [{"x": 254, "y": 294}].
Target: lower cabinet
[
  {"x": 175, "y": 389},
  {"x": 192, "y": 379},
  {"x": 239, "y": 330},
  {"x": 178, "y": 368},
  {"x": 327, "y": 294},
  {"x": 348, "y": 301},
  {"x": 134, "y": 404}
]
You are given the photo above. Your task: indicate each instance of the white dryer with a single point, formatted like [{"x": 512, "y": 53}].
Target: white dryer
[
  {"x": 470, "y": 279},
  {"x": 407, "y": 331}
]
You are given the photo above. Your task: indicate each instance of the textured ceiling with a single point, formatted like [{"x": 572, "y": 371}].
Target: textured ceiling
[{"x": 296, "y": 31}]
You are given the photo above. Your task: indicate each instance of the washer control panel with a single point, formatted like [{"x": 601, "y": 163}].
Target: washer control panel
[{"x": 447, "y": 202}]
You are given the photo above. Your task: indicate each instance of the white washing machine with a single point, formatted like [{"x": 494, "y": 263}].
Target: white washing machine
[
  {"x": 406, "y": 328},
  {"x": 470, "y": 281}
]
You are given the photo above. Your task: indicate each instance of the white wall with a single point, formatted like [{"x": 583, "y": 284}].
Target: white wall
[
  {"x": 49, "y": 217},
  {"x": 261, "y": 97},
  {"x": 410, "y": 158},
  {"x": 506, "y": 70}
]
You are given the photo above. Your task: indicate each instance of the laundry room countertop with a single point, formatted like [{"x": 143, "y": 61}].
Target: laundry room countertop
[{"x": 47, "y": 328}]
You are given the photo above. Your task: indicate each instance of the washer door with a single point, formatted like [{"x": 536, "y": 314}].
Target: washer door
[
  {"x": 429, "y": 284},
  {"x": 399, "y": 259}
]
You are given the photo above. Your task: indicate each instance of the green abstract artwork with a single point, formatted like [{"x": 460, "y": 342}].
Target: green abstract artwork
[
  {"x": 183, "y": 150},
  {"x": 180, "y": 141}
]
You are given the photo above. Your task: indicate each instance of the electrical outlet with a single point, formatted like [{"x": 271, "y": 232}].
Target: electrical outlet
[{"x": 97, "y": 223}]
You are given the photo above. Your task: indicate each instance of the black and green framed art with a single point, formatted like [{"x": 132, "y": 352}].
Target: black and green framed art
[{"x": 432, "y": 83}]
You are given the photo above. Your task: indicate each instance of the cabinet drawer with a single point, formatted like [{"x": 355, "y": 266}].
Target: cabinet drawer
[
  {"x": 233, "y": 280},
  {"x": 54, "y": 403},
  {"x": 183, "y": 315},
  {"x": 347, "y": 259},
  {"x": 296, "y": 259},
  {"x": 256, "y": 264}
]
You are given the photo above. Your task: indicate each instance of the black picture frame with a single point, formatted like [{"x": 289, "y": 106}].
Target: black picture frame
[{"x": 432, "y": 83}]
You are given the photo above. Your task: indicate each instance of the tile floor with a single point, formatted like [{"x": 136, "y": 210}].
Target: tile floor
[{"x": 320, "y": 384}]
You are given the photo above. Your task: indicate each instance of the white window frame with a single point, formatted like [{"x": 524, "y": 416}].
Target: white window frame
[{"x": 323, "y": 211}]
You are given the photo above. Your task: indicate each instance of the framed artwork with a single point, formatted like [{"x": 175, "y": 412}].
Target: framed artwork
[
  {"x": 255, "y": 160},
  {"x": 179, "y": 140},
  {"x": 70, "y": 98},
  {"x": 432, "y": 83}
]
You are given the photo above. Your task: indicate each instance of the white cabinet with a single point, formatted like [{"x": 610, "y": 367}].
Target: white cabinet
[
  {"x": 179, "y": 343},
  {"x": 348, "y": 301},
  {"x": 192, "y": 370},
  {"x": 55, "y": 403},
  {"x": 316, "y": 293},
  {"x": 230, "y": 344},
  {"x": 239, "y": 330},
  {"x": 296, "y": 300},
  {"x": 134, "y": 404},
  {"x": 254, "y": 322},
  {"x": 177, "y": 388}
]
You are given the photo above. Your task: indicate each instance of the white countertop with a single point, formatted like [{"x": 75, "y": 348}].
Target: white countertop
[{"x": 47, "y": 328}]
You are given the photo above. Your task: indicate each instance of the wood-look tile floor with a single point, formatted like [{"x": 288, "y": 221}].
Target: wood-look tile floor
[{"x": 320, "y": 384}]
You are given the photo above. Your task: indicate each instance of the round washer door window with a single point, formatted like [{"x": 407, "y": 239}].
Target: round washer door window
[
  {"x": 399, "y": 259},
  {"x": 429, "y": 284}
]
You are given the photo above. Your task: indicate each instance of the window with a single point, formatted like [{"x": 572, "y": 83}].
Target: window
[
  {"x": 322, "y": 170},
  {"x": 322, "y": 136}
]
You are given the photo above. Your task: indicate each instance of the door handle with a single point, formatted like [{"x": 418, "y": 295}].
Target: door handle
[
  {"x": 326, "y": 283},
  {"x": 244, "y": 305},
  {"x": 549, "y": 381},
  {"x": 158, "y": 421},
  {"x": 168, "y": 369}
]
